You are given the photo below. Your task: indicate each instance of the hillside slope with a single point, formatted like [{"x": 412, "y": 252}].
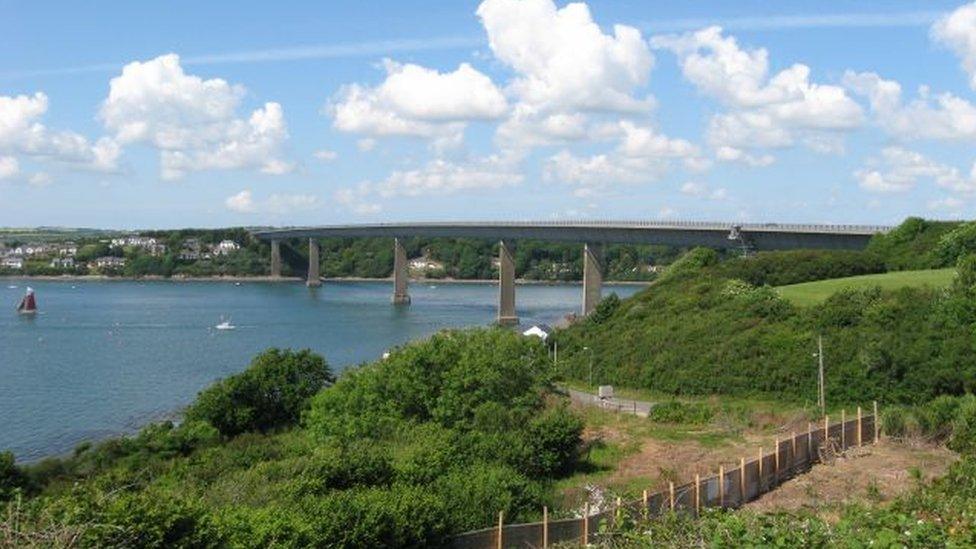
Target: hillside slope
[
  {"x": 696, "y": 331},
  {"x": 811, "y": 293}
]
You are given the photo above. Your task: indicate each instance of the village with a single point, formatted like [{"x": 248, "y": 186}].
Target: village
[{"x": 105, "y": 256}]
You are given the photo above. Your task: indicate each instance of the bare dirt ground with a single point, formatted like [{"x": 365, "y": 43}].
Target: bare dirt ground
[{"x": 872, "y": 473}]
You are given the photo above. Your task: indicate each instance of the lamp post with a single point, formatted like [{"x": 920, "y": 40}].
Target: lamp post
[
  {"x": 591, "y": 364},
  {"x": 821, "y": 389}
]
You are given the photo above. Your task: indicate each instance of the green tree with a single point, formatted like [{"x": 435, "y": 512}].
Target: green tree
[{"x": 271, "y": 393}]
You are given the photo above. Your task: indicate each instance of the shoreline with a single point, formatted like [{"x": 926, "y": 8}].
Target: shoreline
[{"x": 276, "y": 280}]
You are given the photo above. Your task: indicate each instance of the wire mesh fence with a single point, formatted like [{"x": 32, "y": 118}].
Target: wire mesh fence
[{"x": 728, "y": 488}]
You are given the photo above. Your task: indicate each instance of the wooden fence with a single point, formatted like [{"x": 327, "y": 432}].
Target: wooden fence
[{"x": 729, "y": 488}]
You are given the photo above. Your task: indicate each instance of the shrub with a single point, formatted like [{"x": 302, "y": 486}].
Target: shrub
[
  {"x": 794, "y": 266},
  {"x": 272, "y": 392},
  {"x": 675, "y": 411},
  {"x": 11, "y": 477},
  {"x": 956, "y": 243},
  {"x": 552, "y": 443},
  {"x": 963, "y": 438}
]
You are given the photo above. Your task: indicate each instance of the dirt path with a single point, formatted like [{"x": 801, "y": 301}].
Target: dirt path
[{"x": 872, "y": 473}]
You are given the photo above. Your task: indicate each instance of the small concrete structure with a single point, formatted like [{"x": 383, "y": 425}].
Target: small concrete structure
[
  {"x": 506, "y": 285},
  {"x": 605, "y": 392},
  {"x": 313, "y": 264},
  {"x": 401, "y": 274}
]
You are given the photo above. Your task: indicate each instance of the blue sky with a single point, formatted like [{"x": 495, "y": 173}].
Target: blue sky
[{"x": 152, "y": 114}]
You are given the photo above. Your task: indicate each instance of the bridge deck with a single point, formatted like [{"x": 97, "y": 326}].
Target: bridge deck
[{"x": 764, "y": 236}]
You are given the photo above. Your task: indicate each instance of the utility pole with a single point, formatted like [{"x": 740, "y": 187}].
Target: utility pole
[
  {"x": 823, "y": 389},
  {"x": 591, "y": 364}
]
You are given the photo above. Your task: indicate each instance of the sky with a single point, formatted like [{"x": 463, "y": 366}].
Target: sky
[{"x": 203, "y": 114}]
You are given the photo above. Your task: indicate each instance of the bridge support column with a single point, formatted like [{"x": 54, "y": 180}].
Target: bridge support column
[
  {"x": 401, "y": 274},
  {"x": 276, "y": 258},
  {"x": 592, "y": 276},
  {"x": 313, "y": 264},
  {"x": 506, "y": 286}
]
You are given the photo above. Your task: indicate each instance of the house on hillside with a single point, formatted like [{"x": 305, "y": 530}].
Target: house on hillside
[
  {"x": 226, "y": 247},
  {"x": 110, "y": 262},
  {"x": 63, "y": 263},
  {"x": 12, "y": 262}
]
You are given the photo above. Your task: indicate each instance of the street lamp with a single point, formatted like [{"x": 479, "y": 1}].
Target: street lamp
[{"x": 591, "y": 364}]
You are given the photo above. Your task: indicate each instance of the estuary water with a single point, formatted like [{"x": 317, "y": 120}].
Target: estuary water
[{"x": 103, "y": 358}]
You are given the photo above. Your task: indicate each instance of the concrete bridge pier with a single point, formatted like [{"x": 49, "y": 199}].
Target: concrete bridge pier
[
  {"x": 506, "y": 285},
  {"x": 276, "y": 258},
  {"x": 592, "y": 276},
  {"x": 401, "y": 274},
  {"x": 313, "y": 264}
]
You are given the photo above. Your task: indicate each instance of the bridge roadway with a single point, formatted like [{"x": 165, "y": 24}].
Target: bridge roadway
[{"x": 593, "y": 234}]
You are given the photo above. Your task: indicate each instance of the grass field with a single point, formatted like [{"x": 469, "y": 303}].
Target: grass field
[{"x": 811, "y": 293}]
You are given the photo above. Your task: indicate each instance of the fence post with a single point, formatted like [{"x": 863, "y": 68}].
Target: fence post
[
  {"x": 860, "y": 437},
  {"x": 671, "y": 495},
  {"x": 721, "y": 487},
  {"x": 635, "y": 407},
  {"x": 586, "y": 524},
  {"x": 742, "y": 481},
  {"x": 877, "y": 423},
  {"x": 776, "y": 462},
  {"x": 826, "y": 428},
  {"x": 810, "y": 442},
  {"x": 545, "y": 526},
  {"x": 760, "y": 467},
  {"x": 697, "y": 494},
  {"x": 843, "y": 430},
  {"x": 644, "y": 509},
  {"x": 793, "y": 438},
  {"x": 501, "y": 521},
  {"x": 616, "y": 514}
]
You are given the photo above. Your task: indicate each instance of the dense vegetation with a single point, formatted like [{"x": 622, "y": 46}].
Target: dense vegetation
[
  {"x": 698, "y": 331},
  {"x": 435, "y": 439}
]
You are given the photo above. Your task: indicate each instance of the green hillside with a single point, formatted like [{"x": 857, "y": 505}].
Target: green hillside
[
  {"x": 698, "y": 331},
  {"x": 811, "y": 293}
]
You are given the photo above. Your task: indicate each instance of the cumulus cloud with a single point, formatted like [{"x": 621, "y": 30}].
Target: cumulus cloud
[
  {"x": 765, "y": 111},
  {"x": 565, "y": 67},
  {"x": 562, "y": 59},
  {"x": 944, "y": 116},
  {"x": 358, "y": 199},
  {"x": 957, "y": 31},
  {"x": 417, "y": 101},
  {"x": 325, "y": 155},
  {"x": 22, "y": 134},
  {"x": 899, "y": 170},
  {"x": 191, "y": 121},
  {"x": 702, "y": 190},
  {"x": 276, "y": 203},
  {"x": 442, "y": 176}
]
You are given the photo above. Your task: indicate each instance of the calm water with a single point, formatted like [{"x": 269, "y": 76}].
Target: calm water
[{"x": 103, "y": 358}]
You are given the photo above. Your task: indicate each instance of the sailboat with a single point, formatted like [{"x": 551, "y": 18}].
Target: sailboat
[{"x": 28, "y": 305}]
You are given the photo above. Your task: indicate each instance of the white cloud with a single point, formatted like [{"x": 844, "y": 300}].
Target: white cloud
[
  {"x": 764, "y": 111},
  {"x": 417, "y": 101},
  {"x": 701, "y": 190},
  {"x": 39, "y": 179},
  {"x": 358, "y": 200},
  {"x": 242, "y": 202},
  {"x": 191, "y": 121},
  {"x": 277, "y": 203},
  {"x": 732, "y": 154},
  {"x": 9, "y": 167},
  {"x": 949, "y": 204},
  {"x": 326, "y": 155},
  {"x": 563, "y": 61},
  {"x": 441, "y": 176},
  {"x": 899, "y": 170},
  {"x": 945, "y": 116},
  {"x": 597, "y": 172},
  {"x": 957, "y": 31},
  {"x": 21, "y": 133}
]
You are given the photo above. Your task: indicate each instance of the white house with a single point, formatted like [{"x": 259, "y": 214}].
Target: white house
[
  {"x": 226, "y": 247},
  {"x": 540, "y": 331},
  {"x": 63, "y": 262},
  {"x": 12, "y": 262},
  {"x": 110, "y": 262}
]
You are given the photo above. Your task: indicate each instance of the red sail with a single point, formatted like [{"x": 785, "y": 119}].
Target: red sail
[{"x": 30, "y": 305}]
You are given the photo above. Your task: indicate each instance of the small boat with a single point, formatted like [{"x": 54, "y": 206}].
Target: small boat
[
  {"x": 28, "y": 305},
  {"x": 224, "y": 325}
]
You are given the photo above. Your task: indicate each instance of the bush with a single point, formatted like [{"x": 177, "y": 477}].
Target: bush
[
  {"x": 552, "y": 443},
  {"x": 675, "y": 411},
  {"x": 795, "y": 266},
  {"x": 11, "y": 477},
  {"x": 272, "y": 392},
  {"x": 963, "y": 438}
]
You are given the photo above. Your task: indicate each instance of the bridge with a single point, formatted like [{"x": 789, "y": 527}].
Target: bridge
[{"x": 592, "y": 234}]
